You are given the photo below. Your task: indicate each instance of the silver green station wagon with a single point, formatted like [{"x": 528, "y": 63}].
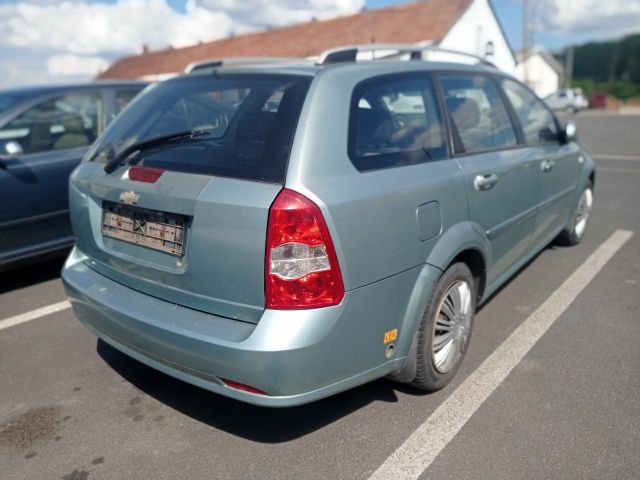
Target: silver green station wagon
[{"x": 281, "y": 232}]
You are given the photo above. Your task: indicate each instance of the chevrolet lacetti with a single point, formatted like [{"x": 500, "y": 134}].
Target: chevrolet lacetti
[{"x": 277, "y": 233}]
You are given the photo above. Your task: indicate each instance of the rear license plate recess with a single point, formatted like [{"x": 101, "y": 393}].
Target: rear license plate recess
[{"x": 150, "y": 228}]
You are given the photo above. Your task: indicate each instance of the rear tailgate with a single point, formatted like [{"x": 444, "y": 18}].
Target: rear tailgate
[
  {"x": 187, "y": 222},
  {"x": 221, "y": 267}
]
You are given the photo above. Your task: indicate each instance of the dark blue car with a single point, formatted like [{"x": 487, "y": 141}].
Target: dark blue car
[{"x": 44, "y": 133}]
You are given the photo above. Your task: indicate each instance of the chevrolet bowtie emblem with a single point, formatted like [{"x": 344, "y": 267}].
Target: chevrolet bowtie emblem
[{"x": 130, "y": 197}]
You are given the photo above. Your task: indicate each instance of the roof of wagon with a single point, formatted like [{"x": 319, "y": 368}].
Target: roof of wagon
[{"x": 370, "y": 67}]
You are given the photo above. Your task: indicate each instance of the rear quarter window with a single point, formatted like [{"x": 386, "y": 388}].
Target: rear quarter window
[{"x": 395, "y": 121}]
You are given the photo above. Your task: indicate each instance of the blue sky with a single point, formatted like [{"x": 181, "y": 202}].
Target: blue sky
[{"x": 43, "y": 41}]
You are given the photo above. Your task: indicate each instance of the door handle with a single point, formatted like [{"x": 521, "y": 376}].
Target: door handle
[
  {"x": 547, "y": 165},
  {"x": 485, "y": 182}
]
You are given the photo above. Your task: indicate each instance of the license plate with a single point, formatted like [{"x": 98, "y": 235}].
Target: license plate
[{"x": 149, "y": 228}]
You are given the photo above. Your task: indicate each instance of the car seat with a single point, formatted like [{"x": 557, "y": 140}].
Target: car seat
[{"x": 74, "y": 134}]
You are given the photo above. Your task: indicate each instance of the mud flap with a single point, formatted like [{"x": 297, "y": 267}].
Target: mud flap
[{"x": 407, "y": 372}]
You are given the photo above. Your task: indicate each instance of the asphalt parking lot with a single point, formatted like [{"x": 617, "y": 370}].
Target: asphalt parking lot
[{"x": 549, "y": 389}]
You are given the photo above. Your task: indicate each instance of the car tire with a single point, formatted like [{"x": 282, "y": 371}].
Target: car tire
[
  {"x": 445, "y": 329},
  {"x": 573, "y": 234}
]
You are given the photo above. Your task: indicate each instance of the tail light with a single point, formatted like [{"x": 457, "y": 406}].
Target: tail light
[{"x": 302, "y": 269}]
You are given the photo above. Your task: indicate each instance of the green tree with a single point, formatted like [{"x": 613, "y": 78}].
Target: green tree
[{"x": 612, "y": 66}]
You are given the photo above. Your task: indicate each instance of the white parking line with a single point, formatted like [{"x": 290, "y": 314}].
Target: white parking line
[
  {"x": 614, "y": 156},
  {"x": 421, "y": 448},
  {"x": 618, "y": 170},
  {"x": 33, "y": 314}
]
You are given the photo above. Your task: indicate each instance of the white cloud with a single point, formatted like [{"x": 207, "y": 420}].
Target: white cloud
[
  {"x": 44, "y": 41},
  {"x": 84, "y": 28},
  {"x": 72, "y": 65},
  {"x": 256, "y": 14},
  {"x": 600, "y": 19}
]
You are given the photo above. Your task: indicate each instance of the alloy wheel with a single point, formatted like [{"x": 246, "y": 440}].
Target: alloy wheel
[
  {"x": 452, "y": 327},
  {"x": 583, "y": 211}
]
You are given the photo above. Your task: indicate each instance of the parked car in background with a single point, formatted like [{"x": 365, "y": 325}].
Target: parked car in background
[
  {"x": 44, "y": 133},
  {"x": 598, "y": 100},
  {"x": 278, "y": 234},
  {"x": 569, "y": 100}
]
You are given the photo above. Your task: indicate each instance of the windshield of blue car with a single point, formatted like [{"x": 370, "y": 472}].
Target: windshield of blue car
[{"x": 249, "y": 120}]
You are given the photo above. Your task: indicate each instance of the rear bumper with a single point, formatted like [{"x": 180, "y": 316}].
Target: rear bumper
[{"x": 295, "y": 356}]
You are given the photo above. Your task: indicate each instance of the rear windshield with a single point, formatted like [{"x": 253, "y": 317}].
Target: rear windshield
[{"x": 245, "y": 125}]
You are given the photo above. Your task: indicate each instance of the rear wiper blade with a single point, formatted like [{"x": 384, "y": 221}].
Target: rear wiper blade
[{"x": 119, "y": 159}]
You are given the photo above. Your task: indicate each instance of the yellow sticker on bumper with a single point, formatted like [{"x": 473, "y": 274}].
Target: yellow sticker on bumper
[{"x": 391, "y": 335}]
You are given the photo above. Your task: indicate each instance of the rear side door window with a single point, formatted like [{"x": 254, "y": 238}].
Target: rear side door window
[
  {"x": 395, "y": 121},
  {"x": 538, "y": 123},
  {"x": 479, "y": 118},
  {"x": 68, "y": 121}
]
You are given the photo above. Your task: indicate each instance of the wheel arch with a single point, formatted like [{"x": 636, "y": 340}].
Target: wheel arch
[
  {"x": 464, "y": 242},
  {"x": 474, "y": 259}
]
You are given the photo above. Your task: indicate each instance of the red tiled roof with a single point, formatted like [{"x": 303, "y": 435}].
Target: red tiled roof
[{"x": 409, "y": 23}]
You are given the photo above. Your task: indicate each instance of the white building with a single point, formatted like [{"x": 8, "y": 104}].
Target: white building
[
  {"x": 538, "y": 69},
  {"x": 478, "y": 31}
]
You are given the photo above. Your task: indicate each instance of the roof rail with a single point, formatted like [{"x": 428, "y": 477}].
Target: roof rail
[
  {"x": 238, "y": 62},
  {"x": 350, "y": 53}
]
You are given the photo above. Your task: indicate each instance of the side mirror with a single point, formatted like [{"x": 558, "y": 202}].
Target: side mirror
[{"x": 570, "y": 132}]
